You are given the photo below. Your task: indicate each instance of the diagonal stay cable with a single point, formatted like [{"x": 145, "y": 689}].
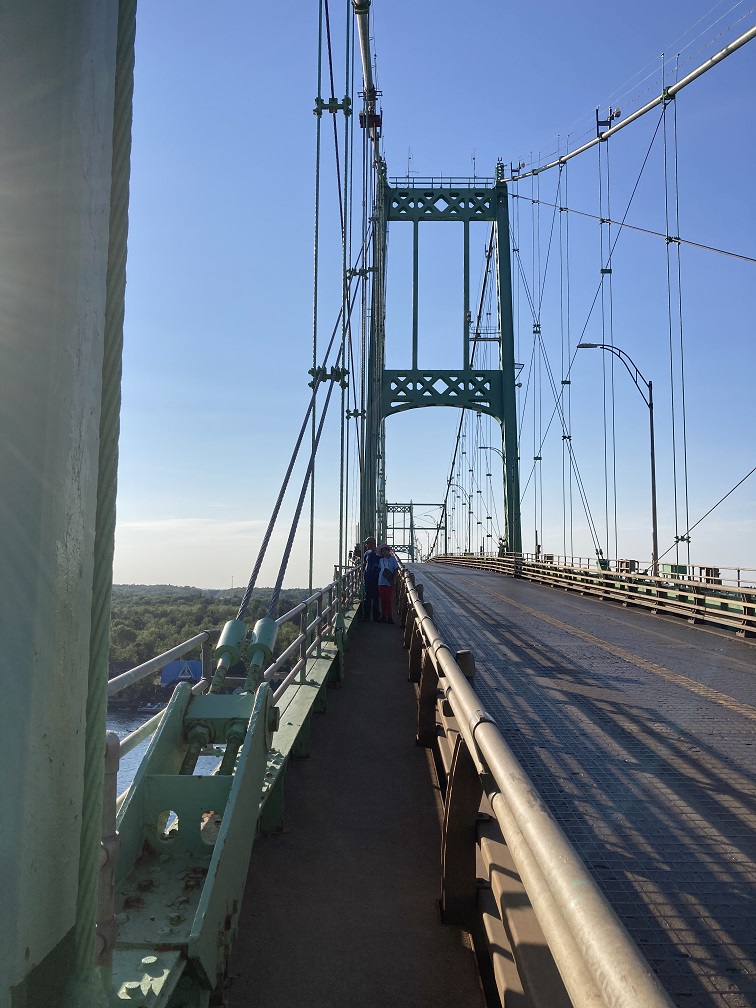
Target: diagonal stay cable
[
  {"x": 285, "y": 483},
  {"x": 688, "y": 531},
  {"x": 297, "y": 514}
]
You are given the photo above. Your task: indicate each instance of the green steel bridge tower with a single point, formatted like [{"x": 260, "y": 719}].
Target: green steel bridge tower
[{"x": 392, "y": 391}]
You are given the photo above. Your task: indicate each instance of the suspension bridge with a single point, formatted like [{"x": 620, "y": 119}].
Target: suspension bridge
[{"x": 537, "y": 786}]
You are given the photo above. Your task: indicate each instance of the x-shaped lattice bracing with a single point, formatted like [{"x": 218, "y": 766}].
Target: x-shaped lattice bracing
[
  {"x": 441, "y": 204},
  {"x": 478, "y": 390}
]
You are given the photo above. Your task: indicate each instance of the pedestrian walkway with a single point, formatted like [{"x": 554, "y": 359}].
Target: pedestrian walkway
[{"x": 340, "y": 909}]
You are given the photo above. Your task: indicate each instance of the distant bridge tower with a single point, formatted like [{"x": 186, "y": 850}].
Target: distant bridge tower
[{"x": 485, "y": 391}]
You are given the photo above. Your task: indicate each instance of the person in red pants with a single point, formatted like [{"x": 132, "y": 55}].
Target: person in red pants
[{"x": 389, "y": 567}]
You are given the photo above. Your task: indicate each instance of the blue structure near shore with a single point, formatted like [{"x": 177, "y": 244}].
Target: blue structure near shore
[{"x": 181, "y": 671}]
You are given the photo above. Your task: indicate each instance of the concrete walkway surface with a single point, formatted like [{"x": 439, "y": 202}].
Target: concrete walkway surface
[{"x": 341, "y": 908}]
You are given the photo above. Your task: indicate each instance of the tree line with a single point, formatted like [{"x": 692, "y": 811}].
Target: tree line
[{"x": 147, "y": 620}]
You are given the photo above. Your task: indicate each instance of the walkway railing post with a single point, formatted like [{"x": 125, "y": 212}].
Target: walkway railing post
[
  {"x": 426, "y": 702},
  {"x": 304, "y": 646},
  {"x": 416, "y": 652},
  {"x": 464, "y": 794}
]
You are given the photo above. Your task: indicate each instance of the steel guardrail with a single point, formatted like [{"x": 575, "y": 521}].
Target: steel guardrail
[
  {"x": 599, "y": 963},
  {"x": 698, "y": 601}
]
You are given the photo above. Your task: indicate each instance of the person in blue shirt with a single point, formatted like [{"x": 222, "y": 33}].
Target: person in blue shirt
[
  {"x": 371, "y": 566},
  {"x": 387, "y": 573}
]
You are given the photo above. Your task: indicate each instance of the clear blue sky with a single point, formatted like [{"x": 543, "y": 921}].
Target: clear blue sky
[{"x": 219, "y": 299}]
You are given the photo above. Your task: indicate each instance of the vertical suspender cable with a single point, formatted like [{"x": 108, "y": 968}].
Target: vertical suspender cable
[
  {"x": 611, "y": 343},
  {"x": 568, "y": 306},
  {"x": 682, "y": 347},
  {"x": 362, "y": 408},
  {"x": 316, "y": 281},
  {"x": 345, "y": 209},
  {"x": 669, "y": 330},
  {"x": 604, "y": 362}
]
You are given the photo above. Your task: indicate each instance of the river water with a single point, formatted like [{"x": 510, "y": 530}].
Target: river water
[{"x": 123, "y": 723}]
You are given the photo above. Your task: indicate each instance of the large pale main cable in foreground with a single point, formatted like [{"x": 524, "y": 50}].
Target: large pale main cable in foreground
[{"x": 372, "y": 120}]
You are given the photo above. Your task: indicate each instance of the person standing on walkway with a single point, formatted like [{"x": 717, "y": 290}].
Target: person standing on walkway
[
  {"x": 371, "y": 568},
  {"x": 388, "y": 568}
]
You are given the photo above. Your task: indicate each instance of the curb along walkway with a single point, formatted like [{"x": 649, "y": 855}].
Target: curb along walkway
[{"x": 340, "y": 909}]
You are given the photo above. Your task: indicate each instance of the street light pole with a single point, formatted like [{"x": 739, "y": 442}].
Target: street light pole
[
  {"x": 648, "y": 398},
  {"x": 489, "y": 447}
]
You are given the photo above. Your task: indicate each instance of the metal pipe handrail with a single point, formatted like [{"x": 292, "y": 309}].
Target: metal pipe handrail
[
  {"x": 620, "y": 974},
  {"x": 579, "y": 565},
  {"x": 719, "y": 605},
  {"x": 119, "y": 682}
]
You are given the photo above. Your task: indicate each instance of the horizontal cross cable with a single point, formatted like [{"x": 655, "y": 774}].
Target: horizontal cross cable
[{"x": 634, "y": 227}]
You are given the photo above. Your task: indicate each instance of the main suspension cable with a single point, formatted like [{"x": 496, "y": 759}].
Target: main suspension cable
[{"x": 666, "y": 94}]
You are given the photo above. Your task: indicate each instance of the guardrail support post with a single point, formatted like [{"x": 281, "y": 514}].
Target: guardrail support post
[
  {"x": 403, "y": 603},
  {"x": 464, "y": 794},
  {"x": 418, "y": 659},
  {"x": 426, "y": 702},
  {"x": 466, "y": 661},
  {"x": 207, "y": 653},
  {"x": 409, "y": 628}
]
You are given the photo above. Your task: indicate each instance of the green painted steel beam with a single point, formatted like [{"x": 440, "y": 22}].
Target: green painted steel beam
[
  {"x": 466, "y": 389},
  {"x": 438, "y": 203},
  {"x": 394, "y": 391},
  {"x": 510, "y": 457}
]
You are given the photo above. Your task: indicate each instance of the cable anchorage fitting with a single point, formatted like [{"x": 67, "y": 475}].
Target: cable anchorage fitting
[
  {"x": 602, "y": 125},
  {"x": 333, "y": 105},
  {"x": 321, "y": 374}
]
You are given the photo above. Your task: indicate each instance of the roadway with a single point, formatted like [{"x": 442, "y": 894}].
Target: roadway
[{"x": 638, "y": 732}]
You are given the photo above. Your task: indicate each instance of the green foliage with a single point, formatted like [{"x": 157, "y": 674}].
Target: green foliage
[{"x": 147, "y": 620}]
